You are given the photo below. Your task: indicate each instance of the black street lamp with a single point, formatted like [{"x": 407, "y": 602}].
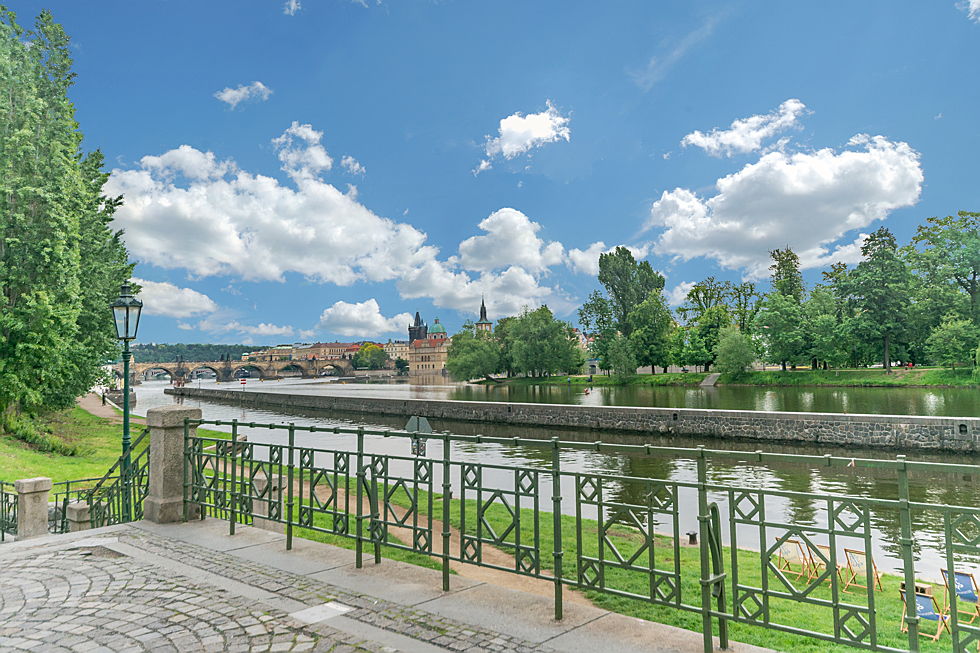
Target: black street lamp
[{"x": 126, "y": 315}]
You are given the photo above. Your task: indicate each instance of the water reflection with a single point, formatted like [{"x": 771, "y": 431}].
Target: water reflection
[
  {"x": 935, "y": 488},
  {"x": 961, "y": 402}
]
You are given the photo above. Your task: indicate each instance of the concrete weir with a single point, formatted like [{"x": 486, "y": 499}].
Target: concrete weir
[{"x": 960, "y": 434}]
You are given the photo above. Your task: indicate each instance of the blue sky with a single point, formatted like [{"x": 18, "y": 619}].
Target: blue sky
[{"x": 318, "y": 170}]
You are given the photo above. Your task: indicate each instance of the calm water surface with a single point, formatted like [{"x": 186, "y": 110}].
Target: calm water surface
[
  {"x": 945, "y": 488},
  {"x": 952, "y": 402}
]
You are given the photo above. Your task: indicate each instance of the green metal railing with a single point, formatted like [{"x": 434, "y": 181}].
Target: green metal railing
[
  {"x": 625, "y": 544},
  {"x": 8, "y": 510},
  {"x": 106, "y": 495}
]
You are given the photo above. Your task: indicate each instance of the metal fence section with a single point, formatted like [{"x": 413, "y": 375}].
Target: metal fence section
[
  {"x": 618, "y": 535},
  {"x": 8, "y": 510}
]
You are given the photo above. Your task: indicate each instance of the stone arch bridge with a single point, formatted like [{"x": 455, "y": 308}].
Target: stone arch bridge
[{"x": 231, "y": 369}]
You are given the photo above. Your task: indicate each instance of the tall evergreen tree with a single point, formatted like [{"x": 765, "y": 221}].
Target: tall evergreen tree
[
  {"x": 785, "y": 274},
  {"x": 880, "y": 284},
  {"x": 60, "y": 263},
  {"x": 627, "y": 282}
]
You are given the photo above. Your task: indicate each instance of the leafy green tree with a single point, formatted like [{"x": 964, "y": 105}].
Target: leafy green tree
[
  {"x": 734, "y": 353},
  {"x": 597, "y": 321},
  {"x": 60, "y": 263},
  {"x": 540, "y": 345},
  {"x": 709, "y": 325},
  {"x": 401, "y": 365},
  {"x": 785, "y": 274},
  {"x": 780, "y": 321},
  {"x": 952, "y": 245},
  {"x": 702, "y": 297},
  {"x": 743, "y": 302},
  {"x": 880, "y": 284},
  {"x": 473, "y": 354},
  {"x": 652, "y": 323},
  {"x": 622, "y": 359},
  {"x": 695, "y": 352},
  {"x": 501, "y": 333},
  {"x": 370, "y": 356},
  {"x": 627, "y": 282},
  {"x": 952, "y": 342},
  {"x": 820, "y": 325},
  {"x": 166, "y": 353}
]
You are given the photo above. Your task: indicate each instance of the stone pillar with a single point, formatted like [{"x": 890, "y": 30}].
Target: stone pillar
[
  {"x": 79, "y": 516},
  {"x": 165, "y": 497},
  {"x": 32, "y": 506},
  {"x": 260, "y": 510}
]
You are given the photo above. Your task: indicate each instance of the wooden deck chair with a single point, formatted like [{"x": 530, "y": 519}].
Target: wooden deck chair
[
  {"x": 857, "y": 568},
  {"x": 925, "y": 608},
  {"x": 818, "y": 565},
  {"x": 791, "y": 555},
  {"x": 967, "y": 592}
]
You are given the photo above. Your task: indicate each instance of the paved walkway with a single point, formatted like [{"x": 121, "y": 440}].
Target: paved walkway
[{"x": 191, "y": 587}]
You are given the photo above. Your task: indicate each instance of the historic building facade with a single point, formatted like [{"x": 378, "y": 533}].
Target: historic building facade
[{"x": 427, "y": 355}]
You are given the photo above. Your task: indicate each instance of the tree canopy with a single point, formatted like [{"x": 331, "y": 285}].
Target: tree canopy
[{"x": 60, "y": 261}]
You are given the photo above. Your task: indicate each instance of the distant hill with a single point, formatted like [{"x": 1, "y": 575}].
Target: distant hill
[{"x": 164, "y": 353}]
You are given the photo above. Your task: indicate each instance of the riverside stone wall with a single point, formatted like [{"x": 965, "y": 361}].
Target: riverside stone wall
[{"x": 884, "y": 431}]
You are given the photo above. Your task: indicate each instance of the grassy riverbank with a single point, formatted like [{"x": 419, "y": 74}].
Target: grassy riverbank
[
  {"x": 684, "y": 570},
  {"x": 851, "y": 378},
  {"x": 95, "y": 440}
]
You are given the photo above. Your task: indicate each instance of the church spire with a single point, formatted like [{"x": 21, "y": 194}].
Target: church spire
[
  {"x": 484, "y": 324},
  {"x": 483, "y": 310}
]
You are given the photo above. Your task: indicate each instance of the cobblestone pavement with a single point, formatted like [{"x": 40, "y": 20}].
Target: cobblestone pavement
[{"x": 94, "y": 598}]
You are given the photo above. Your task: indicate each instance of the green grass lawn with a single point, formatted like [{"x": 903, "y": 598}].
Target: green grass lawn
[
  {"x": 875, "y": 377},
  {"x": 858, "y": 378},
  {"x": 628, "y": 541},
  {"x": 98, "y": 442}
]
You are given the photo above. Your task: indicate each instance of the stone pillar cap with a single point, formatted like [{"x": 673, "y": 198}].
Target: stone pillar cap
[
  {"x": 28, "y": 485},
  {"x": 171, "y": 416}
]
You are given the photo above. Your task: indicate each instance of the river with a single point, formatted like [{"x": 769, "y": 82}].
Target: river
[{"x": 932, "y": 488}]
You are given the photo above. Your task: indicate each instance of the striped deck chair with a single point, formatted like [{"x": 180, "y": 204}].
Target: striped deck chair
[
  {"x": 818, "y": 565},
  {"x": 925, "y": 608},
  {"x": 857, "y": 568},
  {"x": 792, "y": 559},
  {"x": 965, "y": 586}
]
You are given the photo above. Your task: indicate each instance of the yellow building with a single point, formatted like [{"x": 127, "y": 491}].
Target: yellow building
[
  {"x": 396, "y": 349},
  {"x": 427, "y": 357}
]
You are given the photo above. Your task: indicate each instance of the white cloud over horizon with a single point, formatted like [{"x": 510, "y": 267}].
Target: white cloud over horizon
[
  {"x": 747, "y": 134},
  {"x": 586, "y": 261},
  {"x": 807, "y": 201},
  {"x": 519, "y": 133},
  {"x": 361, "y": 319},
  {"x": 168, "y": 300},
  {"x": 254, "y": 91},
  {"x": 188, "y": 209}
]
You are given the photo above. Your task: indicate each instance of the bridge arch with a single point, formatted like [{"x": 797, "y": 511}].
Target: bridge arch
[
  {"x": 249, "y": 371},
  {"x": 216, "y": 371},
  {"x": 334, "y": 368},
  {"x": 148, "y": 372},
  {"x": 293, "y": 369}
]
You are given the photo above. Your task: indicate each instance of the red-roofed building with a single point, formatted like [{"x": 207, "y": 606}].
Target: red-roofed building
[{"x": 427, "y": 356}]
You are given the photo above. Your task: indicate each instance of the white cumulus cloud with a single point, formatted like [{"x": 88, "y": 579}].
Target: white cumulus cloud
[
  {"x": 352, "y": 165},
  {"x": 254, "y": 91},
  {"x": 362, "y": 319},
  {"x": 747, "y": 134},
  {"x": 219, "y": 325},
  {"x": 807, "y": 201},
  {"x": 291, "y": 7},
  {"x": 224, "y": 221},
  {"x": 972, "y": 8},
  {"x": 678, "y": 294},
  {"x": 511, "y": 239},
  {"x": 519, "y": 133},
  {"x": 162, "y": 298}
]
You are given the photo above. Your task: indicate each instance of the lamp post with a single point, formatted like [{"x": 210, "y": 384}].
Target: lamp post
[{"x": 126, "y": 315}]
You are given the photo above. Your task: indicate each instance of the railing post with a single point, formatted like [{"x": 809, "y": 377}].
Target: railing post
[
  {"x": 905, "y": 519},
  {"x": 233, "y": 495},
  {"x": 289, "y": 487},
  {"x": 165, "y": 495},
  {"x": 703, "y": 530},
  {"x": 78, "y": 514},
  {"x": 32, "y": 506},
  {"x": 359, "y": 541},
  {"x": 447, "y": 491},
  {"x": 556, "y": 516}
]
